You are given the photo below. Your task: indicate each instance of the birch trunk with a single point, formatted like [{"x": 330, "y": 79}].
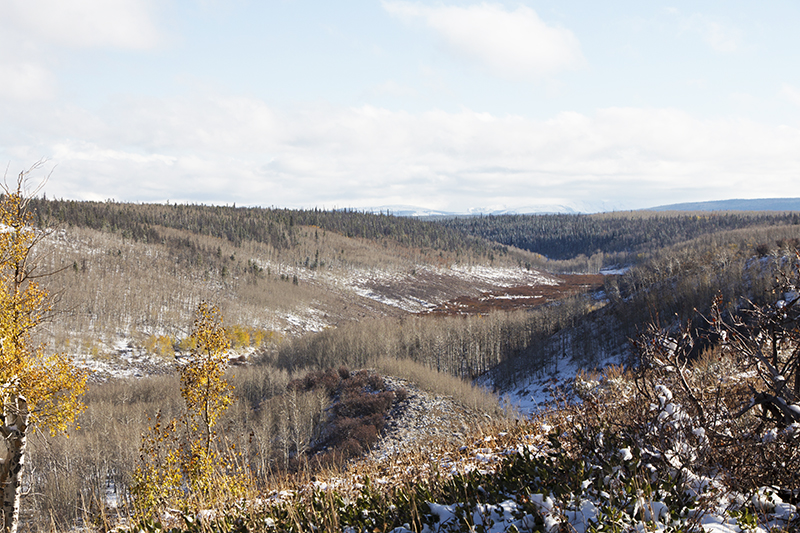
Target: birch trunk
[{"x": 12, "y": 459}]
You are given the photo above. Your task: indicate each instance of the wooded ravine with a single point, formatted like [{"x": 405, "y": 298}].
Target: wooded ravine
[{"x": 326, "y": 312}]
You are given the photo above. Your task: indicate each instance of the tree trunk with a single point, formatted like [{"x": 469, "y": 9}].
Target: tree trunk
[{"x": 12, "y": 459}]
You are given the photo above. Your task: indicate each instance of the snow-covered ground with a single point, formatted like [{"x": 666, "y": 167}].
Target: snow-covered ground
[
  {"x": 715, "y": 509},
  {"x": 718, "y": 509},
  {"x": 425, "y": 287}
]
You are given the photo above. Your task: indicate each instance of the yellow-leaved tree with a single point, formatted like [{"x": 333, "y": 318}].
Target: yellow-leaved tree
[
  {"x": 36, "y": 389},
  {"x": 181, "y": 464},
  {"x": 206, "y": 393}
]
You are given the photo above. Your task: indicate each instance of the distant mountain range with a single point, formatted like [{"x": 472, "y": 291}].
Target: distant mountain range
[
  {"x": 422, "y": 212},
  {"x": 760, "y": 204}
]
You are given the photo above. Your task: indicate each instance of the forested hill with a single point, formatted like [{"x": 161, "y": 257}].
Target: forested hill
[
  {"x": 557, "y": 236},
  {"x": 567, "y": 236},
  {"x": 272, "y": 226}
]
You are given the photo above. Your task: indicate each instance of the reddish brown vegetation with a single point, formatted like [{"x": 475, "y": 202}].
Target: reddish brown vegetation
[
  {"x": 361, "y": 403},
  {"x": 523, "y": 297}
]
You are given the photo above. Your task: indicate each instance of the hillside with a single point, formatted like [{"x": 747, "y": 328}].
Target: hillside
[
  {"x": 608, "y": 239},
  {"x": 272, "y": 226},
  {"x": 126, "y": 288},
  {"x": 417, "y": 327}
]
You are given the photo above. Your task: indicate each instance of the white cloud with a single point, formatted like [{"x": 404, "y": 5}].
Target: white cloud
[
  {"x": 515, "y": 44},
  {"x": 721, "y": 37},
  {"x": 25, "y": 82},
  {"x": 790, "y": 93},
  {"x": 235, "y": 149},
  {"x": 83, "y": 23},
  {"x": 34, "y": 32}
]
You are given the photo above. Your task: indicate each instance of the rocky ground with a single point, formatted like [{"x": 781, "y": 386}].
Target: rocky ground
[{"x": 423, "y": 418}]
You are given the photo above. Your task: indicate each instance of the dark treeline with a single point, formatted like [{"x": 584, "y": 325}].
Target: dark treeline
[
  {"x": 566, "y": 236},
  {"x": 273, "y": 226},
  {"x": 672, "y": 287},
  {"x": 558, "y": 237}
]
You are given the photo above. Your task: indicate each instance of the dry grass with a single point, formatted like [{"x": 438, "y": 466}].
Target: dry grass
[{"x": 439, "y": 383}]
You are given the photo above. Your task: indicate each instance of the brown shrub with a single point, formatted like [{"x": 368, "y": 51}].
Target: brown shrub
[
  {"x": 328, "y": 380},
  {"x": 401, "y": 394},
  {"x": 364, "y": 404},
  {"x": 361, "y": 403}
]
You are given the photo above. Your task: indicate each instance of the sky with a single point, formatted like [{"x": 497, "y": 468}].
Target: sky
[{"x": 455, "y": 106}]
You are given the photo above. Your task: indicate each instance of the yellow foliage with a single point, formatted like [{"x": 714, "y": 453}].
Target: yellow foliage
[
  {"x": 182, "y": 454},
  {"x": 258, "y": 336},
  {"x": 239, "y": 336},
  {"x": 159, "y": 478},
  {"x": 51, "y": 384},
  {"x": 160, "y": 345},
  {"x": 187, "y": 344},
  {"x": 243, "y": 336},
  {"x": 205, "y": 392}
]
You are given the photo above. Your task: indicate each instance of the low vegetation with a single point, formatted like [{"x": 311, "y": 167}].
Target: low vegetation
[
  {"x": 279, "y": 424},
  {"x": 677, "y": 444},
  {"x": 360, "y": 403},
  {"x": 699, "y": 429}
]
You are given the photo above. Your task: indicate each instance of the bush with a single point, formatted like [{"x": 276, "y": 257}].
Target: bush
[
  {"x": 401, "y": 394},
  {"x": 160, "y": 345},
  {"x": 361, "y": 403},
  {"x": 328, "y": 380},
  {"x": 743, "y": 397}
]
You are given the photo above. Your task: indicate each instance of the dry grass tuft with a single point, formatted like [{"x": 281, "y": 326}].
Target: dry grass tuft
[{"x": 428, "y": 379}]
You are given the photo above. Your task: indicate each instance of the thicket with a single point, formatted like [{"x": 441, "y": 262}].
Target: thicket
[
  {"x": 360, "y": 402},
  {"x": 462, "y": 346}
]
